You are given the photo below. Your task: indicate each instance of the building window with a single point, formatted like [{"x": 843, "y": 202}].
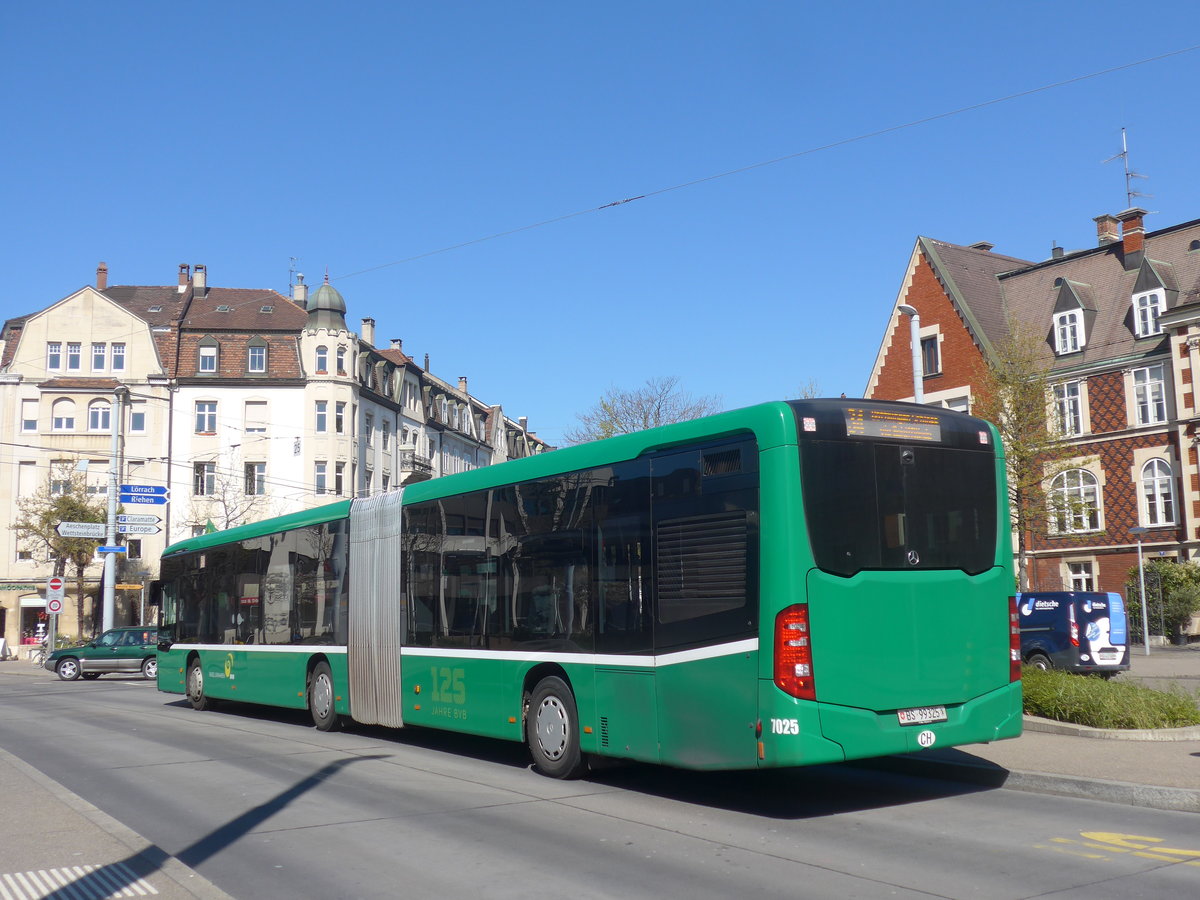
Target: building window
[
  {"x": 204, "y": 479},
  {"x": 257, "y": 361},
  {"x": 322, "y": 360},
  {"x": 339, "y": 417},
  {"x": 63, "y": 413},
  {"x": 386, "y": 481},
  {"x": 339, "y": 478},
  {"x": 368, "y": 476},
  {"x": 29, "y": 416},
  {"x": 74, "y": 357},
  {"x": 1146, "y": 310},
  {"x": 319, "y": 473},
  {"x": 207, "y": 362},
  {"x": 100, "y": 416},
  {"x": 1070, "y": 410},
  {"x": 1074, "y": 502},
  {"x": 206, "y": 417},
  {"x": 256, "y": 478},
  {"x": 1081, "y": 577},
  {"x": 118, "y": 357},
  {"x": 1158, "y": 493},
  {"x": 931, "y": 361},
  {"x": 368, "y": 429},
  {"x": 322, "y": 425},
  {"x": 341, "y": 361},
  {"x": 1149, "y": 396},
  {"x": 54, "y": 355},
  {"x": 133, "y": 548},
  {"x": 1068, "y": 332},
  {"x": 137, "y": 416},
  {"x": 256, "y": 416},
  {"x": 387, "y": 433},
  {"x": 99, "y": 357}
]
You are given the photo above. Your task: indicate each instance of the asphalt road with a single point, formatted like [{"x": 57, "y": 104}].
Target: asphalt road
[{"x": 265, "y": 806}]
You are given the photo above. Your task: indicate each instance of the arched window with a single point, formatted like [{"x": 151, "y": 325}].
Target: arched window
[
  {"x": 100, "y": 416},
  {"x": 1074, "y": 502},
  {"x": 64, "y": 415},
  {"x": 1158, "y": 492}
]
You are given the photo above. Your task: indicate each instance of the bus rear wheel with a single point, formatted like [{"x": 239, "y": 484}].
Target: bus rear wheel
[
  {"x": 195, "y": 686},
  {"x": 321, "y": 697},
  {"x": 552, "y": 730}
]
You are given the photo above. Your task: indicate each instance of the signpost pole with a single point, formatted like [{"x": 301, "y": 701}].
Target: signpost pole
[{"x": 110, "y": 560}]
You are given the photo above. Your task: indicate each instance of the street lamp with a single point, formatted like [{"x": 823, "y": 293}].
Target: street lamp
[
  {"x": 1139, "y": 530},
  {"x": 914, "y": 321}
]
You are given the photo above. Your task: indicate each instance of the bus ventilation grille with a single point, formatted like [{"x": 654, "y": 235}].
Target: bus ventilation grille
[
  {"x": 604, "y": 731},
  {"x": 723, "y": 462}
]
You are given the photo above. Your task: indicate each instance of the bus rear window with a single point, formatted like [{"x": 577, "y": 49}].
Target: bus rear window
[{"x": 884, "y": 505}]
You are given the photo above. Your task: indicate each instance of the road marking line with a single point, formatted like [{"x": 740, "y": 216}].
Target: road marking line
[{"x": 83, "y": 882}]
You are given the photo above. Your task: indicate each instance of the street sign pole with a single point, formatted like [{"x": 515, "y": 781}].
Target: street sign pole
[{"x": 110, "y": 561}]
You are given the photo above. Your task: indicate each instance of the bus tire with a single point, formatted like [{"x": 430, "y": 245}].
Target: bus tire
[
  {"x": 552, "y": 730},
  {"x": 321, "y": 698},
  {"x": 195, "y": 687},
  {"x": 1039, "y": 661}
]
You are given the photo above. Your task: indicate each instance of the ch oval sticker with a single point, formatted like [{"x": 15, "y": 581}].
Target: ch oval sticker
[{"x": 926, "y": 738}]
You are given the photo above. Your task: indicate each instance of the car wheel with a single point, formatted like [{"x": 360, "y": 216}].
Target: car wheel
[
  {"x": 68, "y": 668},
  {"x": 1039, "y": 661},
  {"x": 89, "y": 676},
  {"x": 552, "y": 730},
  {"x": 150, "y": 667},
  {"x": 321, "y": 698},
  {"x": 195, "y": 686}
]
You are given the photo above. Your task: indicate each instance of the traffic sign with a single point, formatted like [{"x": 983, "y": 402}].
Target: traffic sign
[
  {"x": 157, "y": 499},
  {"x": 138, "y": 520},
  {"x": 112, "y": 549},
  {"x": 138, "y": 529},
  {"x": 160, "y": 490},
  {"x": 53, "y": 606},
  {"x": 81, "y": 529},
  {"x": 54, "y": 594}
]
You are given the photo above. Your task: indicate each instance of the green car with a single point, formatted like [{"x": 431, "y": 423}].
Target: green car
[{"x": 130, "y": 649}]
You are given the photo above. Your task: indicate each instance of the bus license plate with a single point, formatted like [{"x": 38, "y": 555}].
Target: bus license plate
[{"x": 922, "y": 715}]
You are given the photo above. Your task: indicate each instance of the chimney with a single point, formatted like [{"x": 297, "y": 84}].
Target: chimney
[
  {"x": 1133, "y": 236},
  {"x": 1106, "y": 230},
  {"x": 398, "y": 344},
  {"x": 102, "y": 277},
  {"x": 524, "y": 423},
  {"x": 426, "y": 362},
  {"x": 462, "y": 383},
  {"x": 1057, "y": 252},
  {"x": 185, "y": 274},
  {"x": 981, "y": 245},
  {"x": 199, "y": 280},
  {"x": 300, "y": 292},
  {"x": 368, "y": 332}
]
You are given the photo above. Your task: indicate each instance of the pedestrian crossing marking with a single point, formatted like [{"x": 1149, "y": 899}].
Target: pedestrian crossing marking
[{"x": 109, "y": 882}]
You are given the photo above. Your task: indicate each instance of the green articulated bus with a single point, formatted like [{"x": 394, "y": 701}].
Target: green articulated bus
[{"x": 788, "y": 584}]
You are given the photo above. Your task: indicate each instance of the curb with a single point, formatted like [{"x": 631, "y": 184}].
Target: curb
[
  {"x": 990, "y": 775},
  {"x": 1051, "y": 726}
]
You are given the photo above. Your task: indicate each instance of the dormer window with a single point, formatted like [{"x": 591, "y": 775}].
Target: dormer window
[
  {"x": 206, "y": 361},
  {"x": 1068, "y": 332},
  {"x": 1146, "y": 310}
]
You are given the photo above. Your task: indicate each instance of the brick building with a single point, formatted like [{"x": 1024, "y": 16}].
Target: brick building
[{"x": 1122, "y": 337}]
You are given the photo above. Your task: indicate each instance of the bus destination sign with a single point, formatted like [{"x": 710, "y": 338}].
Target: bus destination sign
[{"x": 895, "y": 424}]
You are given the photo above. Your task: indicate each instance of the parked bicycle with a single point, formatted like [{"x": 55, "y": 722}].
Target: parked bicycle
[{"x": 37, "y": 658}]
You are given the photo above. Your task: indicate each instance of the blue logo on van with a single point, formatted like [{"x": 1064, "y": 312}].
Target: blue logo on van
[
  {"x": 1093, "y": 631},
  {"x": 1116, "y": 620}
]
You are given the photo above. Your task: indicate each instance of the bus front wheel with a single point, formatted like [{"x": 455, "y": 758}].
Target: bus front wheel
[
  {"x": 320, "y": 698},
  {"x": 195, "y": 686},
  {"x": 552, "y": 730}
]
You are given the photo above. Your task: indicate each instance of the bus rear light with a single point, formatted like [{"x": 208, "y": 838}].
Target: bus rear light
[
  {"x": 1014, "y": 641},
  {"x": 793, "y": 653}
]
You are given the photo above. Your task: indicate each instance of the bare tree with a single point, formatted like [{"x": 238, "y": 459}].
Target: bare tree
[
  {"x": 62, "y": 498},
  {"x": 227, "y": 503},
  {"x": 623, "y": 411},
  {"x": 1013, "y": 391}
]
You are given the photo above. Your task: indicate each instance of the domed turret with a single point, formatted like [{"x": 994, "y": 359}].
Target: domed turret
[{"x": 327, "y": 309}]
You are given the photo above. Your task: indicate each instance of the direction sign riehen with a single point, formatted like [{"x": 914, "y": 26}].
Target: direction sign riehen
[
  {"x": 157, "y": 499},
  {"x": 81, "y": 529}
]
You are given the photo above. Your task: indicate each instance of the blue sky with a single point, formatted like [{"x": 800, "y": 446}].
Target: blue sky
[{"x": 363, "y": 137}]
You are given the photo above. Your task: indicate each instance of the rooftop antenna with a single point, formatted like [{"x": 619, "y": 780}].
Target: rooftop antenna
[
  {"x": 1130, "y": 193},
  {"x": 292, "y": 276}
]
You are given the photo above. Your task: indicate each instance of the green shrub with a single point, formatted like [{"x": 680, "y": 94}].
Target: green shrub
[{"x": 1091, "y": 701}]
